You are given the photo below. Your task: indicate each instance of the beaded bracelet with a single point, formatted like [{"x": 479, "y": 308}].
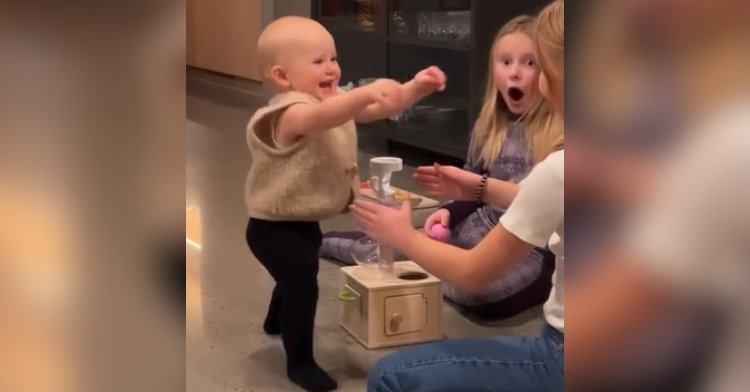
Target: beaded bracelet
[{"x": 480, "y": 189}]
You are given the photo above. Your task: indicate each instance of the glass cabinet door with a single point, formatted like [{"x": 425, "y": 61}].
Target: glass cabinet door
[
  {"x": 438, "y": 23},
  {"x": 360, "y": 15}
]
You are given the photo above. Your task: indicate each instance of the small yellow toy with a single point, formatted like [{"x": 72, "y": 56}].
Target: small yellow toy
[{"x": 402, "y": 195}]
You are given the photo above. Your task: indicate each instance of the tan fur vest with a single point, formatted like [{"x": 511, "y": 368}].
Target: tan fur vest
[{"x": 314, "y": 179}]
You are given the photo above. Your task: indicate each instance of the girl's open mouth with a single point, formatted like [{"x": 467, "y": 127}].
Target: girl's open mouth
[{"x": 515, "y": 94}]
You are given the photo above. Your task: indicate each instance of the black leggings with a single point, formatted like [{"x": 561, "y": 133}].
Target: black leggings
[{"x": 289, "y": 251}]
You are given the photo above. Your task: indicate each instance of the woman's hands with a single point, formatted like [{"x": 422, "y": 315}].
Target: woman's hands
[
  {"x": 387, "y": 225},
  {"x": 448, "y": 182}
]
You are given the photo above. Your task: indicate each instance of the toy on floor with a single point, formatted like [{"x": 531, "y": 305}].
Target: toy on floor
[
  {"x": 439, "y": 232},
  {"x": 386, "y": 303}
]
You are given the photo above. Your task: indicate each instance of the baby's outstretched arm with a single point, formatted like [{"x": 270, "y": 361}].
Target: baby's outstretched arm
[
  {"x": 308, "y": 119},
  {"x": 424, "y": 83}
]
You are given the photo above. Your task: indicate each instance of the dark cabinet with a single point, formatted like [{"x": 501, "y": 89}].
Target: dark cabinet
[{"x": 398, "y": 38}]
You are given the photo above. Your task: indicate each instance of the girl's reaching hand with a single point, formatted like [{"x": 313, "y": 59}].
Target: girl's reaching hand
[{"x": 448, "y": 182}]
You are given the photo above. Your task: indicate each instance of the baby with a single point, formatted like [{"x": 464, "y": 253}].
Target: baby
[{"x": 304, "y": 170}]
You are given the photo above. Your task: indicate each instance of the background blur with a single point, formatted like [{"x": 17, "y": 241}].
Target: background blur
[{"x": 91, "y": 173}]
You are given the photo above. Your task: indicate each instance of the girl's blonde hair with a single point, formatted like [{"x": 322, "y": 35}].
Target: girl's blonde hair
[{"x": 543, "y": 127}]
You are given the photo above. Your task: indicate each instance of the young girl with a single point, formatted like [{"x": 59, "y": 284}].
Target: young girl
[
  {"x": 535, "y": 218},
  {"x": 516, "y": 129}
]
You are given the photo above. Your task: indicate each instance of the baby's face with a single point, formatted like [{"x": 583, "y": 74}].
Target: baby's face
[
  {"x": 515, "y": 71},
  {"x": 313, "y": 67}
]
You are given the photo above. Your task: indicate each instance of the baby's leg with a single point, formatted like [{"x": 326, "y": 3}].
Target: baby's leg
[
  {"x": 289, "y": 251},
  {"x": 299, "y": 295},
  {"x": 272, "y": 325}
]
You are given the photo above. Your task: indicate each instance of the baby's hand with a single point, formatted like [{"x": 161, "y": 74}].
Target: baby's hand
[
  {"x": 430, "y": 79},
  {"x": 385, "y": 91}
]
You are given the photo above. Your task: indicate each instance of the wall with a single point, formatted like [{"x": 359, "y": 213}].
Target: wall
[
  {"x": 221, "y": 36},
  {"x": 292, "y": 7},
  {"x": 274, "y": 9}
]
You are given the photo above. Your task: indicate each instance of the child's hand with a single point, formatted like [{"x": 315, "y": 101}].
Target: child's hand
[
  {"x": 386, "y": 91},
  {"x": 439, "y": 217},
  {"x": 430, "y": 79},
  {"x": 448, "y": 182},
  {"x": 387, "y": 225}
]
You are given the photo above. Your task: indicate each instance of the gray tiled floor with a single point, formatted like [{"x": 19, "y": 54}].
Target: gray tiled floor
[{"x": 226, "y": 349}]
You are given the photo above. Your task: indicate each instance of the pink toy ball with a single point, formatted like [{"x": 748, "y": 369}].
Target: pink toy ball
[{"x": 440, "y": 233}]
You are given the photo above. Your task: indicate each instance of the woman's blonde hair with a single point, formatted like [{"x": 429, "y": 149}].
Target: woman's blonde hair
[
  {"x": 550, "y": 44},
  {"x": 543, "y": 127}
]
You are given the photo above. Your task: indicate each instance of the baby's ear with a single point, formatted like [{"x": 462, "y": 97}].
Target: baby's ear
[{"x": 278, "y": 75}]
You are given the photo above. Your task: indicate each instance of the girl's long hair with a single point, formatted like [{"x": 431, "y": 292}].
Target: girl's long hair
[{"x": 542, "y": 126}]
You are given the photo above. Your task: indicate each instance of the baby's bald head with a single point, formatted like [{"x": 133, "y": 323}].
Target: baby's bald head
[
  {"x": 299, "y": 54},
  {"x": 283, "y": 37}
]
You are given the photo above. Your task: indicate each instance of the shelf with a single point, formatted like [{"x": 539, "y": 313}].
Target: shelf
[
  {"x": 404, "y": 39},
  {"x": 445, "y": 101},
  {"x": 449, "y": 138},
  {"x": 344, "y": 26}
]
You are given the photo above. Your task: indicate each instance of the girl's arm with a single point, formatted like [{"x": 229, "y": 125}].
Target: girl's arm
[
  {"x": 500, "y": 193},
  {"x": 497, "y": 193},
  {"x": 533, "y": 217},
  {"x": 461, "y": 209}
]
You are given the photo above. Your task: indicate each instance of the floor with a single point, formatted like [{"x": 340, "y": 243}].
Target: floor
[{"x": 228, "y": 290}]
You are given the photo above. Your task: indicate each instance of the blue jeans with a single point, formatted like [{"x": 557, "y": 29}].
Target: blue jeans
[{"x": 506, "y": 364}]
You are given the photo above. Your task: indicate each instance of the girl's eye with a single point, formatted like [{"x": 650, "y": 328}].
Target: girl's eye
[
  {"x": 318, "y": 61},
  {"x": 334, "y": 59},
  {"x": 506, "y": 62},
  {"x": 531, "y": 63}
]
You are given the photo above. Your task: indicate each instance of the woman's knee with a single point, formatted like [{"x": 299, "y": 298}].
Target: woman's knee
[
  {"x": 408, "y": 369},
  {"x": 384, "y": 376},
  {"x": 383, "y": 367}
]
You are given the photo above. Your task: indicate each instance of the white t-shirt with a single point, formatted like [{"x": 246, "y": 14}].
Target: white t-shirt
[
  {"x": 536, "y": 216},
  {"x": 695, "y": 234}
]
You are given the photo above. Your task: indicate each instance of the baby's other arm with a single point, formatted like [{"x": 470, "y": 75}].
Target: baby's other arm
[{"x": 424, "y": 83}]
